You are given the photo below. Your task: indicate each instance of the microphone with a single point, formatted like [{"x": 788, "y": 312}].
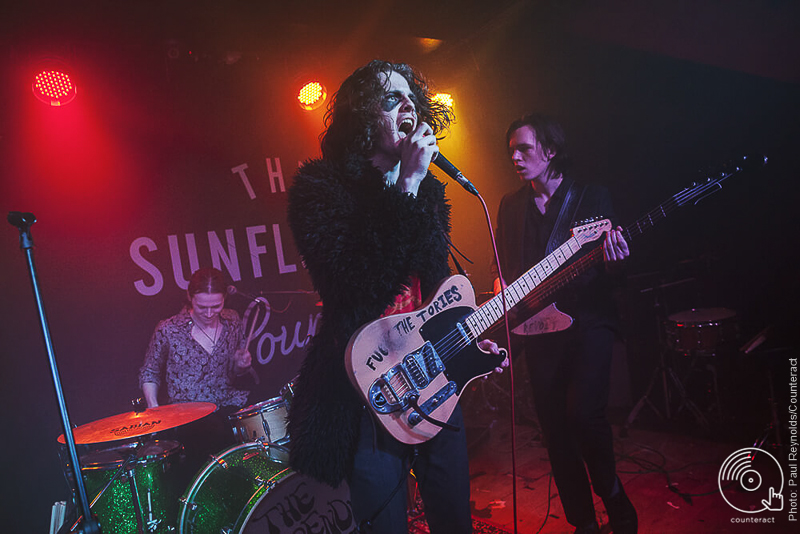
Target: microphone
[
  {"x": 451, "y": 171},
  {"x": 21, "y": 219},
  {"x": 258, "y": 300}
]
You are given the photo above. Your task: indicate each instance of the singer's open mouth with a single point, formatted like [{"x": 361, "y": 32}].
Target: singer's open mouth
[{"x": 406, "y": 126}]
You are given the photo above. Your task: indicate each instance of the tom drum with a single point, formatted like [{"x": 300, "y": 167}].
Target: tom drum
[{"x": 123, "y": 478}]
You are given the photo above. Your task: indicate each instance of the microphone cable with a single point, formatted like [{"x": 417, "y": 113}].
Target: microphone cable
[{"x": 510, "y": 363}]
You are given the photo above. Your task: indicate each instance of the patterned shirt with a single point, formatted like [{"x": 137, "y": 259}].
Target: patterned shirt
[{"x": 192, "y": 374}]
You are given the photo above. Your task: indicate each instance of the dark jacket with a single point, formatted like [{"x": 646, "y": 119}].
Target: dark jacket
[
  {"x": 361, "y": 241},
  {"x": 588, "y": 298}
]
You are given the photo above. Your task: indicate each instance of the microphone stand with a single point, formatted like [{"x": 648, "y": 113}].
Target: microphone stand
[{"x": 23, "y": 221}]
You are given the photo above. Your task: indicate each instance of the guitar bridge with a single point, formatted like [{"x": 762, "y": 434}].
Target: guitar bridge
[{"x": 392, "y": 391}]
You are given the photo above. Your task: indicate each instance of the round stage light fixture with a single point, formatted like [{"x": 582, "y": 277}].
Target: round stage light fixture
[
  {"x": 445, "y": 99},
  {"x": 312, "y": 95},
  {"x": 53, "y": 85}
]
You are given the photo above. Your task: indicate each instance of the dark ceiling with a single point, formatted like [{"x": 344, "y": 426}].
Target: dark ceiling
[{"x": 755, "y": 36}]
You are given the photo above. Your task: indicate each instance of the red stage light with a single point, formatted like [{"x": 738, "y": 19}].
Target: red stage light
[
  {"x": 312, "y": 95},
  {"x": 54, "y": 87}
]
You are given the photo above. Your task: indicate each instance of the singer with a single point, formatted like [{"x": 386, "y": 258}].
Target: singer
[{"x": 372, "y": 225}]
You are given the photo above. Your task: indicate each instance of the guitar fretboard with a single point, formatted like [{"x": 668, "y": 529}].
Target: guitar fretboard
[
  {"x": 491, "y": 312},
  {"x": 696, "y": 192}
]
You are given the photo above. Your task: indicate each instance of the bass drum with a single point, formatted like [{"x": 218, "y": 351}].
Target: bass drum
[
  {"x": 299, "y": 503},
  {"x": 218, "y": 500},
  {"x": 243, "y": 490}
]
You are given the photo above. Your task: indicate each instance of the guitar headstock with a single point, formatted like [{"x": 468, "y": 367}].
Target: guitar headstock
[
  {"x": 750, "y": 162},
  {"x": 712, "y": 183},
  {"x": 591, "y": 230}
]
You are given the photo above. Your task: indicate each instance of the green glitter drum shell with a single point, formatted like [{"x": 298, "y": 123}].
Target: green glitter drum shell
[
  {"x": 223, "y": 493},
  {"x": 150, "y": 483}
]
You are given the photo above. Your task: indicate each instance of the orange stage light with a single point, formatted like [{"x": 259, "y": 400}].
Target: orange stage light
[
  {"x": 312, "y": 95},
  {"x": 445, "y": 99}
]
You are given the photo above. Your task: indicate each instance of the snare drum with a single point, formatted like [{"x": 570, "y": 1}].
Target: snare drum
[
  {"x": 702, "y": 330},
  {"x": 265, "y": 421},
  {"x": 226, "y": 490},
  {"x": 154, "y": 494}
]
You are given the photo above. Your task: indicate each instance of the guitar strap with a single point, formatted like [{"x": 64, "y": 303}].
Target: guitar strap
[
  {"x": 565, "y": 217},
  {"x": 450, "y": 249}
]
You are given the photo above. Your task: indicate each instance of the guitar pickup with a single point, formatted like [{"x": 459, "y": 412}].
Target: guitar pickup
[
  {"x": 392, "y": 390},
  {"x": 423, "y": 365},
  {"x": 432, "y": 403}
]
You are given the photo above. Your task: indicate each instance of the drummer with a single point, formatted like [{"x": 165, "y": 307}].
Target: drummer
[{"x": 200, "y": 355}]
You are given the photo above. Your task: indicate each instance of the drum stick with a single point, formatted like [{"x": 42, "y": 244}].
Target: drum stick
[{"x": 250, "y": 329}]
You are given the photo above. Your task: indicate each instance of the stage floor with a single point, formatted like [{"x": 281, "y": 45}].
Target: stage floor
[{"x": 648, "y": 463}]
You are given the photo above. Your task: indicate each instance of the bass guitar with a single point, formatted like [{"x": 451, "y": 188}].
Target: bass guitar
[
  {"x": 411, "y": 368},
  {"x": 537, "y": 314}
]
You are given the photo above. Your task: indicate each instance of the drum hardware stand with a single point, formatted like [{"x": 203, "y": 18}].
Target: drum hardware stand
[
  {"x": 685, "y": 399},
  {"x": 23, "y": 222},
  {"x": 137, "y": 508},
  {"x": 669, "y": 378},
  {"x": 122, "y": 469},
  {"x": 664, "y": 373},
  {"x": 774, "y": 425}
]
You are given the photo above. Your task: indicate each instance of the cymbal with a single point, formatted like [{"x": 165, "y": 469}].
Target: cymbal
[{"x": 132, "y": 424}]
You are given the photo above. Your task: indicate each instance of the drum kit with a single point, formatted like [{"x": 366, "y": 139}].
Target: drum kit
[
  {"x": 694, "y": 340},
  {"x": 246, "y": 488},
  {"x": 706, "y": 331}
]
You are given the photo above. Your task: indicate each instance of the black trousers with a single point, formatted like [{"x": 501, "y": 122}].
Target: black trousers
[
  {"x": 441, "y": 469},
  {"x": 570, "y": 375}
]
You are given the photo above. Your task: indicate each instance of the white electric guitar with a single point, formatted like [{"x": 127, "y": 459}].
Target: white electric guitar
[{"x": 411, "y": 368}]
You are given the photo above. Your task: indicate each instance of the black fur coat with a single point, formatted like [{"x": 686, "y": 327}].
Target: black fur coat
[{"x": 360, "y": 241}]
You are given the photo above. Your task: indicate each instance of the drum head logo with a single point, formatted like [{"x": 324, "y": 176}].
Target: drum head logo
[{"x": 751, "y": 481}]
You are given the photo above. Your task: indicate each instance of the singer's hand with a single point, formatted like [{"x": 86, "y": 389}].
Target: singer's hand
[
  {"x": 487, "y": 345},
  {"x": 417, "y": 150}
]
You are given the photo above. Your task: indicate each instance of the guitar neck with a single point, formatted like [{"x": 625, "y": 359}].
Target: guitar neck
[
  {"x": 492, "y": 311},
  {"x": 696, "y": 192}
]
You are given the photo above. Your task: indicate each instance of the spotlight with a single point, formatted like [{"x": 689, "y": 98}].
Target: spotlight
[
  {"x": 427, "y": 45},
  {"x": 312, "y": 95},
  {"x": 445, "y": 99},
  {"x": 53, "y": 84}
]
